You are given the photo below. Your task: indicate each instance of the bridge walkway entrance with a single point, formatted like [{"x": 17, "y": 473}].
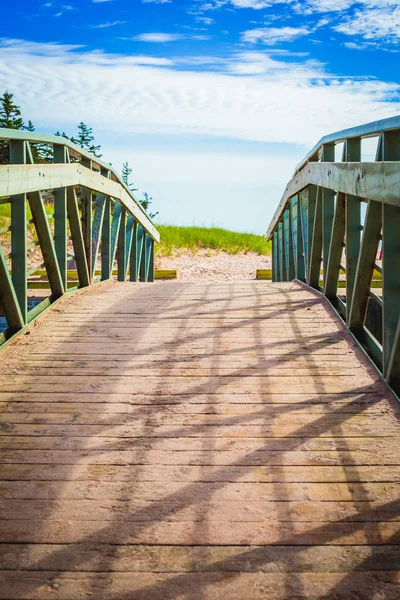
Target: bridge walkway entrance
[{"x": 196, "y": 441}]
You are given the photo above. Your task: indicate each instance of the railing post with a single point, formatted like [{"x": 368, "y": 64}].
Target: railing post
[
  {"x": 316, "y": 245},
  {"x": 281, "y": 253},
  {"x": 298, "y": 246},
  {"x": 130, "y": 228},
  {"x": 143, "y": 258},
  {"x": 77, "y": 237},
  {"x": 307, "y": 206},
  {"x": 60, "y": 217},
  {"x": 87, "y": 222},
  {"x": 275, "y": 257},
  {"x": 365, "y": 266},
  {"x": 328, "y": 209},
  {"x": 352, "y": 153},
  {"x": 336, "y": 248},
  {"x": 149, "y": 257},
  {"x": 122, "y": 247},
  {"x": 135, "y": 251},
  {"x": 106, "y": 241},
  {"x": 287, "y": 232},
  {"x": 390, "y": 257},
  {"x": 19, "y": 265},
  {"x": 115, "y": 226}
]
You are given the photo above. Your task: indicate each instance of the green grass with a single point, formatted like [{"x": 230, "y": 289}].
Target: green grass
[{"x": 213, "y": 238}]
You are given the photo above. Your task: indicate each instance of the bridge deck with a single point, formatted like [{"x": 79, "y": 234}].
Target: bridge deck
[{"x": 196, "y": 441}]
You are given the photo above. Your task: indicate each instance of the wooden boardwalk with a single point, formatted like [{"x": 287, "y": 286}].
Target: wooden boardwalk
[{"x": 196, "y": 441}]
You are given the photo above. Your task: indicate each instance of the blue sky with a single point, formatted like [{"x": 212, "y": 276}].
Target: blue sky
[{"x": 212, "y": 103}]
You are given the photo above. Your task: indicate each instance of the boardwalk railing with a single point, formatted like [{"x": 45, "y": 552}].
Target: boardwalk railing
[
  {"x": 66, "y": 218},
  {"x": 337, "y": 228}
]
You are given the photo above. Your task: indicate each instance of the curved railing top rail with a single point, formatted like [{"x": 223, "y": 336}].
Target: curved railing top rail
[
  {"x": 367, "y": 130},
  {"x": 372, "y": 129},
  {"x": 75, "y": 150}
]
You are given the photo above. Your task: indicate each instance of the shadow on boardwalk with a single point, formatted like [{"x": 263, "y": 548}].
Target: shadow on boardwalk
[{"x": 282, "y": 554}]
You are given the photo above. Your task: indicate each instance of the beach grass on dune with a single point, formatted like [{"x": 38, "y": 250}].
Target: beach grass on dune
[{"x": 174, "y": 237}]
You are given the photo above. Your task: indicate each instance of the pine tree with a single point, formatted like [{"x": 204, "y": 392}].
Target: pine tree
[
  {"x": 147, "y": 200},
  {"x": 10, "y": 118},
  {"x": 10, "y": 113},
  {"x": 85, "y": 139},
  {"x": 126, "y": 171}
]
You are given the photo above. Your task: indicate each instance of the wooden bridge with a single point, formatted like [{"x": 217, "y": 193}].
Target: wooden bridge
[{"x": 199, "y": 441}]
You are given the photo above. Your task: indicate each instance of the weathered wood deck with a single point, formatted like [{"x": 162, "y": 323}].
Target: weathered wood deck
[{"x": 197, "y": 441}]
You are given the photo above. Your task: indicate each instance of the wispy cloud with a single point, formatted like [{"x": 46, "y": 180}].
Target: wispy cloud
[
  {"x": 381, "y": 23},
  {"x": 252, "y": 96},
  {"x": 160, "y": 38},
  {"x": 109, "y": 24},
  {"x": 273, "y": 35}
]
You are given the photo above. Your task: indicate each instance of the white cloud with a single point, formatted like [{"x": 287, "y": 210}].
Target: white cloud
[
  {"x": 158, "y": 37},
  {"x": 256, "y": 4},
  {"x": 109, "y": 24},
  {"x": 273, "y": 35},
  {"x": 372, "y": 23},
  {"x": 255, "y": 98}
]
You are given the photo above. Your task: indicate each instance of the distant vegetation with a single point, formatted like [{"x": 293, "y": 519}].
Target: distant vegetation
[{"x": 194, "y": 239}]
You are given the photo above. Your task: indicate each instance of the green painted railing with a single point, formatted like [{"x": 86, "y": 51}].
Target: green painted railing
[
  {"x": 71, "y": 213},
  {"x": 337, "y": 229}
]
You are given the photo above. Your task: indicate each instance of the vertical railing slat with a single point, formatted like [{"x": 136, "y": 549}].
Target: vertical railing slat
[
  {"x": 87, "y": 221},
  {"x": 316, "y": 243},
  {"x": 77, "y": 237},
  {"x": 60, "y": 217},
  {"x": 133, "y": 275},
  {"x": 336, "y": 248},
  {"x": 19, "y": 263},
  {"x": 122, "y": 247},
  {"x": 8, "y": 297},
  {"x": 298, "y": 235},
  {"x": 365, "y": 265},
  {"x": 287, "y": 227},
  {"x": 390, "y": 258},
  {"x": 106, "y": 241},
  {"x": 275, "y": 265},
  {"x": 352, "y": 153},
  {"x": 143, "y": 259},
  {"x": 97, "y": 228},
  {"x": 150, "y": 271}
]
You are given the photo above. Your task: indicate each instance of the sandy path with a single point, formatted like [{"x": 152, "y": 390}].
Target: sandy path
[{"x": 214, "y": 266}]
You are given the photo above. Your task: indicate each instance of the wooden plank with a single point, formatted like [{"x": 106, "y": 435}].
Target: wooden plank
[
  {"x": 175, "y": 559},
  {"x": 219, "y": 584},
  {"x": 199, "y": 473}
]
